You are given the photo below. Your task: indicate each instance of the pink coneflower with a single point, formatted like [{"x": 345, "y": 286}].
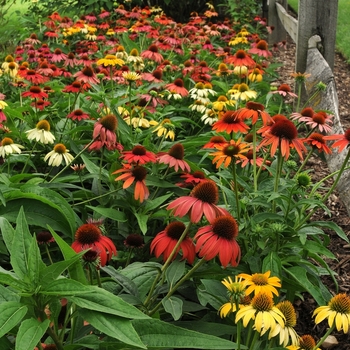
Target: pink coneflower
[
  {"x": 78, "y": 115},
  {"x": 139, "y": 155},
  {"x": 320, "y": 120},
  {"x": 260, "y": 49},
  {"x": 35, "y": 92},
  {"x": 32, "y": 40},
  {"x": 135, "y": 174},
  {"x": 45, "y": 69},
  {"x": 90, "y": 236},
  {"x": 219, "y": 239},
  {"x": 152, "y": 54},
  {"x": 284, "y": 90},
  {"x": 201, "y": 201},
  {"x": 85, "y": 60},
  {"x": 71, "y": 60},
  {"x": 104, "y": 133},
  {"x": 155, "y": 76},
  {"x": 58, "y": 56},
  {"x": 177, "y": 87},
  {"x": 174, "y": 158},
  {"x": 87, "y": 75},
  {"x": 165, "y": 241}
]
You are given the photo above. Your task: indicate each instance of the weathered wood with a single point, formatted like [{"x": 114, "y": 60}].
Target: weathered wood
[
  {"x": 320, "y": 71},
  {"x": 316, "y": 18},
  {"x": 279, "y": 33},
  {"x": 290, "y": 23}
]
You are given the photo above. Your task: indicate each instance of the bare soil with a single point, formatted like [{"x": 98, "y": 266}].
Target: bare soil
[{"x": 339, "y": 214}]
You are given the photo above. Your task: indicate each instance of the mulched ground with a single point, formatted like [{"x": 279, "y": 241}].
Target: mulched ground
[{"x": 339, "y": 214}]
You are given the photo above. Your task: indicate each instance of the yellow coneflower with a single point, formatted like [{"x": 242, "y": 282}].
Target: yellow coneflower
[{"x": 110, "y": 60}]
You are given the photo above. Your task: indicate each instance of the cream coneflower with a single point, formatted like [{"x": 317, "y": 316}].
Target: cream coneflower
[
  {"x": 59, "y": 154},
  {"x": 7, "y": 147},
  {"x": 41, "y": 133},
  {"x": 131, "y": 76},
  {"x": 337, "y": 312}
]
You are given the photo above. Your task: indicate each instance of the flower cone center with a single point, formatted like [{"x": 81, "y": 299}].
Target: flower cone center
[
  {"x": 284, "y": 129},
  {"x": 225, "y": 227},
  {"x": 88, "y": 234},
  {"x": 262, "y": 302},
  {"x": 177, "y": 151},
  {"x": 207, "y": 192},
  {"x": 139, "y": 172},
  {"x": 175, "y": 229},
  {"x": 109, "y": 122}
]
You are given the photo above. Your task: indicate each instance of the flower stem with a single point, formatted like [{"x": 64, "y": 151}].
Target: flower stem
[
  {"x": 320, "y": 342},
  {"x": 235, "y": 184}
]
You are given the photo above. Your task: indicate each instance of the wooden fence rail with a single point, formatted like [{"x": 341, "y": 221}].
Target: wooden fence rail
[{"x": 314, "y": 34}]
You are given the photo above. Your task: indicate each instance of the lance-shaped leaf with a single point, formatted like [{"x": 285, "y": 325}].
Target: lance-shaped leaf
[
  {"x": 11, "y": 313},
  {"x": 30, "y": 332}
]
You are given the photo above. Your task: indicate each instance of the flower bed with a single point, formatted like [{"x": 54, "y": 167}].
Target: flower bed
[{"x": 158, "y": 167}]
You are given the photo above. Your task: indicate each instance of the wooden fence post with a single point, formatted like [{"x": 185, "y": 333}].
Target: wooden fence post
[
  {"x": 316, "y": 17},
  {"x": 279, "y": 33}
]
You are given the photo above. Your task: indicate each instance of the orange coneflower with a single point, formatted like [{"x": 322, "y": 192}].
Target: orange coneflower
[
  {"x": 215, "y": 142},
  {"x": 342, "y": 140},
  {"x": 241, "y": 58},
  {"x": 135, "y": 174},
  {"x": 201, "y": 201},
  {"x": 317, "y": 141},
  {"x": 233, "y": 150},
  {"x": 254, "y": 111},
  {"x": 283, "y": 134},
  {"x": 139, "y": 155},
  {"x": 231, "y": 122},
  {"x": 219, "y": 239},
  {"x": 174, "y": 158},
  {"x": 90, "y": 236},
  {"x": 165, "y": 241}
]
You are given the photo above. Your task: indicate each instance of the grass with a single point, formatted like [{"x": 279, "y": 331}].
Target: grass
[{"x": 343, "y": 26}]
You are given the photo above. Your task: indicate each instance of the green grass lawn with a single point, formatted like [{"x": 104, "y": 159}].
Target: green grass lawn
[{"x": 343, "y": 26}]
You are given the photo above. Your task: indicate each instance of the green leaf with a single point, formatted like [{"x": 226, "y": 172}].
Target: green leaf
[
  {"x": 99, "y": 299},
  {"x": 52, "y": 272},
  {"x": 11, "y": 313},
  {"x": 113, "y": 326},
  {"x": 128, "y": 285},
  {"x": 8, "y": 233},
  {"x": 156, "y": 203},
  {"x": 6, "y": 294},
  {"x": 174, "y": 272},
  {"x": 333, "y": 226},
  {"x": 35, "y": 263},
  {"x": 212, "y": 292},
  {"x": 10, "y": 279},
  {"x": 142, "y": 221},
  {"x": 212, "y": 328},
  {"x": 109, "y": 213},
  {"x": 76, "y": 270},
  {"x": 272, "y": 263},
  {"x": 317, "y": 248},
  {"x": 159, "y": 334},
  {"x": 20, "y": 246},
  {"x": 261, "y": 217},
  {"x": 173, "y": 306},
  {"x": 65, "y": 287},
  {"x": 30, "y": 332},
  {"x": 299, "y": 274}
]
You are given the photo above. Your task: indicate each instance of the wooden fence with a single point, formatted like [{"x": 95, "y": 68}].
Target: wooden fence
[{"x": 314, "y": 33}]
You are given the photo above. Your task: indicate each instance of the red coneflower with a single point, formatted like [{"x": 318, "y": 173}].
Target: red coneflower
[
  {"x": 166, "y": 240},
  {"x": 44, "y": 237},
  {"x": 78, "y": 115},
  {"x": 283, "y": 134},
  {"x": 317, "y": 141},
  {"x": 87, "y": 75},
  {"x": 152, "y": 54},
  {"x": 135, "y": 174},
  {"x": 139, "y": 155},
  {"x": 134, "y": 240},
  {"x": 201, "y": 201},
  {"x": 90, "y": 236},
  {"x": 76, "y": 87},
  {"x": 178, "y": 87},
  {"x": 104, "y": 133},
  {"x": 231, "y": 122},
  {"x": 34, "y": 77},
  {"x": 241, "y": 58},
  {"x": 219, "y": 239},
  {"x": 39, "y": 104},
  {"x": 254, "y": 111},
  {"x": 342, "y": 140},
  {"x": 174, "y": 158},
  {"x": 193, "y": 179},
  {"x": 35, "y": 92}
]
